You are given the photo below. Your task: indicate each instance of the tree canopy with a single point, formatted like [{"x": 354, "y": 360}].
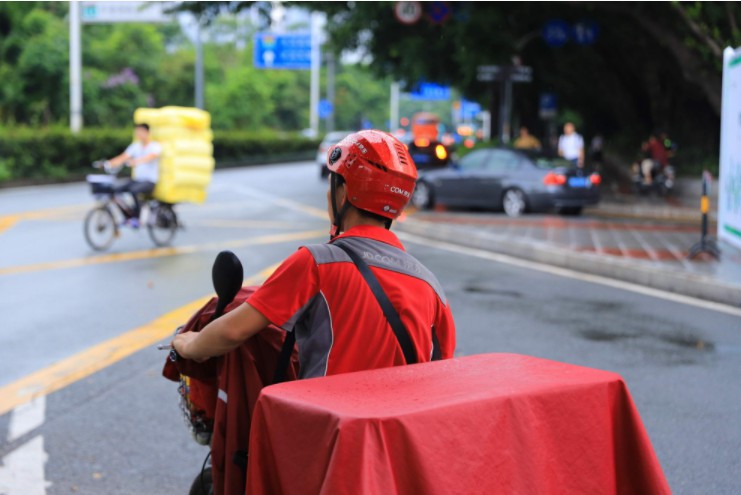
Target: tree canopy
[
  {"x": 653, "y": 65},
  {"x": 130, "y": 65}
]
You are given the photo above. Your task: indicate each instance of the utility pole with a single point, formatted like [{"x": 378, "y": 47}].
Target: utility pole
[
  {"x": 330, "y": 89},
  {"x": 199, "y": 66},
  {"x": 394, "y": 108},
  {"x": 75, "y": 68},
  {"x": 506, "y": 76},
  {"x": 316, "y": 60}
]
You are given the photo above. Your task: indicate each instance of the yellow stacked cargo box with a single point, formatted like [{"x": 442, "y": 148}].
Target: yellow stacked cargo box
[{"x": 187, "y": 160}]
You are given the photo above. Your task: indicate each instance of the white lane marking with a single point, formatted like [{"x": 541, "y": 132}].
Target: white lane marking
[
  {"x": 566, "y": 272},
  {"x": 22, "y": 472},
  {"x": 26, "y": 418}
]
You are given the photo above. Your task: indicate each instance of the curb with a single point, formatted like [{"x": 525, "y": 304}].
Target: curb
[
  {"x": 642, "y": 212},
  {"x": 634, "y": 271}
]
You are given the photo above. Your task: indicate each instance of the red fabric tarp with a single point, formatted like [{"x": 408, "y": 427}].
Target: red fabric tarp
[
  {"x": 236, "y": 378},
  {"x": 493, "y": 423}
]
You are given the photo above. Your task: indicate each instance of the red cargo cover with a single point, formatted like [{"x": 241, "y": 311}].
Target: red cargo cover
[
  {"x": 227, "y": 389},
  {"x": 485, "y": 424}
]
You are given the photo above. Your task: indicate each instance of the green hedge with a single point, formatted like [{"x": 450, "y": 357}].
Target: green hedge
[{"x": 57, "y": 154}]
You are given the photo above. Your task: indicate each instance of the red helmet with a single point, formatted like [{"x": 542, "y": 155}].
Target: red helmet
[{"x": 378, "y": 171}]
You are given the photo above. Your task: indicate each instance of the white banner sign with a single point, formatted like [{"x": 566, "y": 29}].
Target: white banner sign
[
  {"x": 729, "y": 181},
  {"x": 108, "y": 12}
]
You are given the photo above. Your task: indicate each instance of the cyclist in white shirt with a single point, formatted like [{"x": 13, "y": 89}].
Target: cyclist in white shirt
[
  {"x": 571, "y": 145},
  {"x": 143, "y": 156}
]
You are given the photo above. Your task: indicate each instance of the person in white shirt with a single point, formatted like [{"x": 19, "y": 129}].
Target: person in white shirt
[
  {"x": 571, "y": 145},
  {"x": 143, "y": 156}
]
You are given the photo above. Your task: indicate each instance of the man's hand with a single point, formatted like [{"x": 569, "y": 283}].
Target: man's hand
[
  {"x": 222, "y": 335},
  {"x": 183, "y": 344}
]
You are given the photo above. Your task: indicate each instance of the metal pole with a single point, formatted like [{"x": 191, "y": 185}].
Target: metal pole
[
  {"x": 316, "y": 58},
  {"x": 486, "y": 124},
  {"x": 330, "y": 89},
  {"x": 507, "y": 110},
  {"x": 199, "y": 67},
  {"x": 75, "y": 68},
  {"x": 394, "y": 108}
]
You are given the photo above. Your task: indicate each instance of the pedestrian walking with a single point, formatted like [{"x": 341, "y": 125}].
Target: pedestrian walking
[{"x": 571, "y": 145}]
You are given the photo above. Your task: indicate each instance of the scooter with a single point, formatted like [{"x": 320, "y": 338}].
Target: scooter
[
  {"x": 662, "y": 182},
  {"x": 217, "y": 396}
]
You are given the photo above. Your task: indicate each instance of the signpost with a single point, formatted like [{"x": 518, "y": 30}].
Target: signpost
[
  {"x": 325, "y": 109},
  {"x": 585, "y": 32},
  {"x": 107, "y": 12},
  {"x": 99, "y": 13},
  {"x": 556, "y": 33},
  {"x": 438, "y": 12},
  {"x": 506, "y": 75},
  {"x": 290, "y": 51},
  {"x": 469, "y": 110},
  {"x": 547, "y": 107},
  {"x": 729, "y": 180},
  {"x": 431, "y": 92},
  {"x": 408, "y": 12}
]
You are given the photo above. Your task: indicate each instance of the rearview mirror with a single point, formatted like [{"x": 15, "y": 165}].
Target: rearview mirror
[{"x": 227, "y": 275}]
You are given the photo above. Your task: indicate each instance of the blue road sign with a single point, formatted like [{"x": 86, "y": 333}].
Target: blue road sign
[
  {"x": 556, "y": 32},
  {"x": 325, "y": 109},
  {"x": 438, "y": 12},
  {"x": 585, "y": 32},
  {"x": 469, "y": 109},
  {"x": 282, "y": 51},
  {"x": 430, "y": 91},
  {"x": 548, "y": 106}
]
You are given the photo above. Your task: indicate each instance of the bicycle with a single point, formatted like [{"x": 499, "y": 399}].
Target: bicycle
[{"x": 104, "y": 222}]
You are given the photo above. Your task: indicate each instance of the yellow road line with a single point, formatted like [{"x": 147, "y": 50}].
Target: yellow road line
[
  {"x": 161, "y": 252},
  {"x": 243, "y": 224},
  {"x": 100, "y": 356},
  {"x": 8, "y": 221}
]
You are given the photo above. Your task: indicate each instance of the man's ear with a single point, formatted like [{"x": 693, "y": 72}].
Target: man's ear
[{"x": 341, "y": 196}]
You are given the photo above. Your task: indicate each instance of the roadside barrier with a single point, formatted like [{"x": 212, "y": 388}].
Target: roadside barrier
[{"x": 706, "y": 244}]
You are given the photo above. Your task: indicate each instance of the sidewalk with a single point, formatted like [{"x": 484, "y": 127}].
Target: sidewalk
[
  {"x": 685, "y": 208},
  {"x": 646, "y": 252}
]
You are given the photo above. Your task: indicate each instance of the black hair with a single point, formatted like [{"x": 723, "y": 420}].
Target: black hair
[{"x": 142, "y": 126}]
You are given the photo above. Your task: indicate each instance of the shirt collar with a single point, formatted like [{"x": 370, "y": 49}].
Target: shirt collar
[{"x": 375, "y": 233}]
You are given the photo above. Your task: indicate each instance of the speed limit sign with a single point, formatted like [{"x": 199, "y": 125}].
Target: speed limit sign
[{"x": 408, "y": 12}]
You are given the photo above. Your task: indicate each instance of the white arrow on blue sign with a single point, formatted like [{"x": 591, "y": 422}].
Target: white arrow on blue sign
[
  {"x": 585, "y": 32},
  {"x": 430, "y": 91},
  {"x": 556, "y": 32},
  {"x": 282, "y": 51}
]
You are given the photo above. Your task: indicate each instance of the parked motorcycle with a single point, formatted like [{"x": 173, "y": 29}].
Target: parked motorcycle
[{"x": 662, "y": 182}]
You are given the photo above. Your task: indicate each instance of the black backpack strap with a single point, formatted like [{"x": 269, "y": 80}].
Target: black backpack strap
[
  {"x": 402, "y": 335},
  {"x": 436, "y": 353},
  {"x": 284, "y": 358}
]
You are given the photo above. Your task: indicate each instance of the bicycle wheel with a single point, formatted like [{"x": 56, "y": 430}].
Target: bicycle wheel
[
  {"x": 100, "y": 228},
  {"x": 162, "y": 225}
]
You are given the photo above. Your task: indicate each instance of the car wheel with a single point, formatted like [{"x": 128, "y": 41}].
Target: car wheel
[
  {"x": 514, "y": 202},
  {"x": 422, "y": 197},
  {"x": 572, "y": 211}
]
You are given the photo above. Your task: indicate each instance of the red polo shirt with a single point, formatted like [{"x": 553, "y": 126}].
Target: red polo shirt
[{"x": 320, "y": 294}]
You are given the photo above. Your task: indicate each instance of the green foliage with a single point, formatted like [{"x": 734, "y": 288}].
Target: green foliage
[
  {"x": 130, "y": 65},
  {"x": 55, "y": 153},
  {"x": 653, "y": 65}
]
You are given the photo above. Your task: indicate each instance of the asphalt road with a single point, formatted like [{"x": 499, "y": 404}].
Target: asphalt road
[{"x": 84, "y": 324}]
